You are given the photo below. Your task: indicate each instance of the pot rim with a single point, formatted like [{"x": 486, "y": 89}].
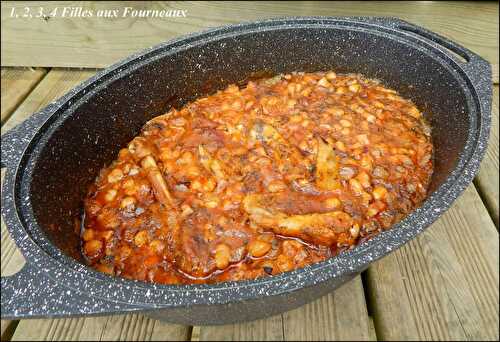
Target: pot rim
[{"x": 351, "y": 262}]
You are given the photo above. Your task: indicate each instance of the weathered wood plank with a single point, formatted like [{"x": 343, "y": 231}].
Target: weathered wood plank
[
  {"x": 487, "y": 179},
  {"x": 341, "y": 315},
  {"x": 55, "y": 84},
  {"x": 17, "y": 83},
  {"x": 132, "y": 327},
  {"x": 373, "y": 332},
  {"x": 444, "y": 284},
  {"x": 8, "y": 328},
  {"x": 269, "y": 329},
  {"x": 79, "y": 42},
  {"x": 195, "y": 334}
]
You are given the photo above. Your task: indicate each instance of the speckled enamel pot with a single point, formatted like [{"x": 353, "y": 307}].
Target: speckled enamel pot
[{"x": 53, "y": 156}]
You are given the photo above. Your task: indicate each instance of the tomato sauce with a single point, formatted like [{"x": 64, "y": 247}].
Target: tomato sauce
[{"x": 259, "y": 180}]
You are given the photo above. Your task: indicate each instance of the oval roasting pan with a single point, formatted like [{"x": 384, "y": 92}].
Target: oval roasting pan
[{"x": 52, "y": 157}]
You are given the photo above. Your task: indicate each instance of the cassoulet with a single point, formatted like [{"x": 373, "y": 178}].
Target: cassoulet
[{"x": 254, "y": 181}]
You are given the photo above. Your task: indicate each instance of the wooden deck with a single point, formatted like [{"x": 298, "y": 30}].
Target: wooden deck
[{"x": 442, "y": 285}]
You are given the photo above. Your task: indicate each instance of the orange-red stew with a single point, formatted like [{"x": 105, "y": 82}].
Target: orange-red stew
[{"x": 259, "y": 180}]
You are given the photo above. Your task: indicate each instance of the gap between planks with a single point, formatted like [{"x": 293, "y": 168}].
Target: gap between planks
[{"x": 17, "y": 83}]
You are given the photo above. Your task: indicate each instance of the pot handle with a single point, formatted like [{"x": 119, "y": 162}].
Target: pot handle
[
  {"x": 10, "y": 141},
  {"x": 27, "y": 295},
  {"x": 15, "y": 140},
  {"x": 31, "y": 294},
  {"x": 477, "y": 69},
  {"x": 464, "y": 54}
]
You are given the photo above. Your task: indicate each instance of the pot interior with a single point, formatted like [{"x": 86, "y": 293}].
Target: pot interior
[{"x": 90, "y": 132}]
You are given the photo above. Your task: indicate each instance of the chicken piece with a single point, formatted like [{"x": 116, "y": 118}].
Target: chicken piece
[
  {"x": 192, "y": 253},
  {"x": 327, "y": 167},
  {"x": 159, "y": 185},
  {"x": 141, "y": 151},
  {"x": 201, "y": 249},
  {"x": 317, "y": 228}
]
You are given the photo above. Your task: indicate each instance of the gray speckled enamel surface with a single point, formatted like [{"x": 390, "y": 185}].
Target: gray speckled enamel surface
[{"x": 64, "y": 145}]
